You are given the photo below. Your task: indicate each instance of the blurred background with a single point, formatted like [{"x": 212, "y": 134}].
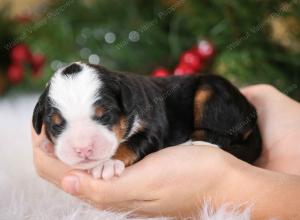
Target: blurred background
[{"x": 246, "y": 41}]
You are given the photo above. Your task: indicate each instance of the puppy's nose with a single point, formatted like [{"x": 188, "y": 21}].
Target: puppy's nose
[{"x": 84, "y": 152}]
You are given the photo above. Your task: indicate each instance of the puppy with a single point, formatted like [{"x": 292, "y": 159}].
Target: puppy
[{"x": 102, "y": 120}]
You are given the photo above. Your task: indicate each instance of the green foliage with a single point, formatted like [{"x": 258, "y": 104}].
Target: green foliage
[
  {"x": 240, "y": 30},
  {"x": 6, "y": 34}
]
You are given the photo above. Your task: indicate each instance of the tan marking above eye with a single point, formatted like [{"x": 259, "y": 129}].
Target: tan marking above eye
[
  {"x": 56, "y": 119},
  {"x": 99, "y": 111}
]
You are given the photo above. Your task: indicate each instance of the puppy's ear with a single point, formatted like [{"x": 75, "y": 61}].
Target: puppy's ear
[{"x": 39, "y": 111}]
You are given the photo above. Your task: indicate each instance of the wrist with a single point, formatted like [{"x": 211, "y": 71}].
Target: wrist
[
  {"x": 228, "y": 173},
  {"x": 267, "y": 193},
  {"x": 239, "y": 183},
  {"x": 238, "y": 186}
]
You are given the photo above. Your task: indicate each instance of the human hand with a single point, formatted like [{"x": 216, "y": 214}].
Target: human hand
[
  {"x": 173, "y": 181},
  {"x": 279, "y": 123},
  {"x": 45, "y": 162}
]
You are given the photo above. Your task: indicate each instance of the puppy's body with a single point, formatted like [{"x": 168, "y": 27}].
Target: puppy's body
[
  {"x": 174, "y": 110},
  {"x": 132, "y": 116}
]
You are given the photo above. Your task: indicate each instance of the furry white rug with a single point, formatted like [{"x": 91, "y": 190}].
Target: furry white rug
[{"x": 23, "y": 195}]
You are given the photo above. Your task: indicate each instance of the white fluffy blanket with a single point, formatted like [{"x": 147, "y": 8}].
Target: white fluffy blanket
[{"x": 23, "y": 195}]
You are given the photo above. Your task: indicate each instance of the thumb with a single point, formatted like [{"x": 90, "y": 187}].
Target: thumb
[
  {"x": 83, "y": 185},
  {"x": 119, "y": 189}
]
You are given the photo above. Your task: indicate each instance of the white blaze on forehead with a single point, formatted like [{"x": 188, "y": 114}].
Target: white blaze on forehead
[{"x": 74, "y": 94}]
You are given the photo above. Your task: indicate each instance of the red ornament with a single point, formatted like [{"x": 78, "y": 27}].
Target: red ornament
[
  {"x": 15, "y": 73},
  {"x": 160, "y": 72},
  {"x": 37, "y": 61},
  {"x": 23, "y": 18},
  {"x": 205, "y": 49},
  {"x": 192, "y": 59},
  {"x": 20, "y": 53},
  {"x": 183, "y": 69}
]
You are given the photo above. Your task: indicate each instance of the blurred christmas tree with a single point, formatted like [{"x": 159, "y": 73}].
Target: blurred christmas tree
[{"x": 255, "y": 41}]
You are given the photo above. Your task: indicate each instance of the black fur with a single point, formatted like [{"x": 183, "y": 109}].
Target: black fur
[
  {"x": 166, "y": 108},
  {"x": 72, "y": 69},
  {"x": 39, "y": 111},
  {"x": 53, "y": 130},
  {"x": 42, "y": 115}
]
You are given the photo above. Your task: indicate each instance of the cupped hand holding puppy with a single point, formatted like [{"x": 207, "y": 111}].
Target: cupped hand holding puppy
[
  {"x": 176, "y": 181},
  {"x": 279, "y": 123},
  {"x": 172, "y": 181}
]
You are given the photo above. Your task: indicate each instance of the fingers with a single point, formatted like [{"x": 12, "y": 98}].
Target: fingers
[
  {"x": 262, "y": 93},
  {"x": 270, "y": 102},
  {"x": 140, "y": 181},
  {"x": 41, "y": 141},
  {"x": 37, "y": 139},
  {"x": 46, "y": 165},
  {"x": 257, "y": 89},
  {"x": 130, "y": 186},
  {"x": 49, "y": 168},
  {"x": 252, "y": 93},
  {"x": 119, "y": 193},
  {"x": 125, "y": 193},
  {"x": 121, "y": 189}
]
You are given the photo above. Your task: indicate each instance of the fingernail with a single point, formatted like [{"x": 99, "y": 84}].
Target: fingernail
[{"x": 70, "y": 184}]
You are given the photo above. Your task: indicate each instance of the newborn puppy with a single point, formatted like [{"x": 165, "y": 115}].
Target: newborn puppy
[{"x": 102, "y": 120}]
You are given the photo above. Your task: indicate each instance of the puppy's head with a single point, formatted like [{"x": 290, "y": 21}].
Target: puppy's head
[{"x": 83, "y": 110}]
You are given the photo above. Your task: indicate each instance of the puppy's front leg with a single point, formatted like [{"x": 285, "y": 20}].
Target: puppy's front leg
[
  {"x": 115, "y": 166},
  {"x": 125, "y": 154}
]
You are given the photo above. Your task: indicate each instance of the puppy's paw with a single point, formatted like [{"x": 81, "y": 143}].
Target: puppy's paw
[{"x": 108, "y": 169}]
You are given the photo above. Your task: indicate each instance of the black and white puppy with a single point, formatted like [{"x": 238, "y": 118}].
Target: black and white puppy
[{"x": 102, "y": 120}]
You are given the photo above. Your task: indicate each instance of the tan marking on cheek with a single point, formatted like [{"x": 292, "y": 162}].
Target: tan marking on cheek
[
  {"x": 120, "y": 128},
  {"x": 56, "y": 119},
  {"x": 99, "y": 111},
  {"x": 201, "y": 97},
  {"x": 125, "y": 154}
]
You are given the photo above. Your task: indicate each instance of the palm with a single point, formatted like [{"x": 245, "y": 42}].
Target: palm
[{"x": 279, "y": 122}]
